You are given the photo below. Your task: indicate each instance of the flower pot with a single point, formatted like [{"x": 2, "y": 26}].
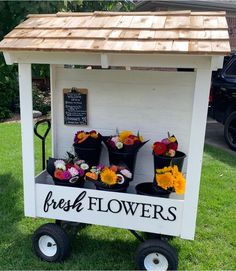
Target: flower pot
[
  {"x": 161, "y": 161},
  {"x": 90, "y": 155},
  {"x": 147, "y": 189},
  {"x": 113, "y": 188},
  {"x": 123, "y": 158},
  {"x": 73, "y": 182}
]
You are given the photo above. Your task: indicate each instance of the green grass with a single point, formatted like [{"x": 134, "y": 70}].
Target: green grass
[{"x": 100, "y": 248}]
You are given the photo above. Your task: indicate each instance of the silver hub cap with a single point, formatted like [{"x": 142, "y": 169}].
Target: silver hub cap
[
  {"x": 47, "y": 245},
  {"x": 155, "y": 261}
]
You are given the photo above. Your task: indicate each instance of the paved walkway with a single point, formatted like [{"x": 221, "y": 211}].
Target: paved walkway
[{"x": 215, "y": 136}]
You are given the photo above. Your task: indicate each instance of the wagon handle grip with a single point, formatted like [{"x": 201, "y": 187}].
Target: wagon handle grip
[{"x": 42, "y": 137}]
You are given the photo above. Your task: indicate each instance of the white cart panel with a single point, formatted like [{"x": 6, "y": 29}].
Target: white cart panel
[{"x": 129, "y": 211}]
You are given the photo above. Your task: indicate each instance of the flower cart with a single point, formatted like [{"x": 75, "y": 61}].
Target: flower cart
[{"x": 154, "y": 76}]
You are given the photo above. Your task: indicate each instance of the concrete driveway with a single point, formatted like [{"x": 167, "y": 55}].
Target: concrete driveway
[{"x": 215, "y": 135}]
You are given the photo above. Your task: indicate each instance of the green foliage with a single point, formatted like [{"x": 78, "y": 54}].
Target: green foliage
[
  {"x": 8, "y": 89},
  {"x": 41, "y": 101},
  {"x": 13, "y": 13}
]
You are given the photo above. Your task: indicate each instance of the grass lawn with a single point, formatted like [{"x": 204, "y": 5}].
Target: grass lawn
[{"x": 103, "y": 248}]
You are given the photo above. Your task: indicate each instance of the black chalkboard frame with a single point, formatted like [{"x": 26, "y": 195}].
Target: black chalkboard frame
[{"x": 82, "y": 91}]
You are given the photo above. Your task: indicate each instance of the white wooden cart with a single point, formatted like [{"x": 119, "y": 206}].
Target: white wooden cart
[{"x": 140, "y": 87}]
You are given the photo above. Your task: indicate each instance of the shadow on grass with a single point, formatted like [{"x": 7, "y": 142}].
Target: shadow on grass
[{"x": 220, "y": 155}]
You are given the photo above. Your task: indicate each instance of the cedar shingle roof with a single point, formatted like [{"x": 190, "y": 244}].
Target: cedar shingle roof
[{"x": 122, "y": 32}]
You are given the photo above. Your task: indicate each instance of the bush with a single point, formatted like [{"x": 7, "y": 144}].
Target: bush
[
  {"x": 9, "y": 94},
  {"x": 41, "y": 100}
]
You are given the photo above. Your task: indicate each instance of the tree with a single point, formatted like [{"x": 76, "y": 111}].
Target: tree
[{"x": 13, "y": 13}]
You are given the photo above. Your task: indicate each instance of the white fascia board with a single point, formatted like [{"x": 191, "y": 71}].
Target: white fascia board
[{"x": 117, "y": 59}]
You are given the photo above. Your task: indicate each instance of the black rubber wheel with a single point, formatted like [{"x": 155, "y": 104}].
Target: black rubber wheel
[
  {"x": 51, "y": 243},
  {"x": 156, "y": 254},
  {"x": 230, "y": 131}
]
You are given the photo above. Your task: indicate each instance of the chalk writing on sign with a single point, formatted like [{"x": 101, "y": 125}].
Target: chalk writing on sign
[{"x": 75, "y": 106}]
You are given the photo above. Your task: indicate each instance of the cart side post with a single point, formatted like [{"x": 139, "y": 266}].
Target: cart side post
[
  {"x": 53, "y": 119},
  {"x": 27, "y": 128},
  {"x": 196, "y": 146}
]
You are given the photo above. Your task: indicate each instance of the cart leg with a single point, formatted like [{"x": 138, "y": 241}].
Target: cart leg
[{"x": 156, "y": 254}]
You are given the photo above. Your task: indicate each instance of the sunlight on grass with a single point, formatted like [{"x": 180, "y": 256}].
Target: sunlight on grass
[{"x": 104, "y": 248}]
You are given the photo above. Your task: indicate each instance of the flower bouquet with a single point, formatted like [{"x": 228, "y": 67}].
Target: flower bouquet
[
  {"x": 68, "y": 172},
  {"x": 165, "y": 153},
  {"x": 168, "y": 179},
  {"x": 87, "y": 146},
  {"x": 123, "y": 148},
  {"x": 113, "y": 178}
]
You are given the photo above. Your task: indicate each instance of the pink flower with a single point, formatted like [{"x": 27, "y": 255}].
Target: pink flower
[
  {"x": 73, "y": 171},
  {"x": 81, "y": 172},
  {"x": 66, "y": 175}
]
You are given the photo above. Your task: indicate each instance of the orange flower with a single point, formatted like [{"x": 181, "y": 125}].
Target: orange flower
[
  {"x": 124, "y": 134},
  {"x": 81, "y": 135},
  {"x": 93, "y": 134},
  {"x": 114, "y": 168},
  {"x": 83, "y": 139},
  {"x": 92, "y": 175},
  {"x": 59, "y": 174},
  {"x": 129, "y": 141}
]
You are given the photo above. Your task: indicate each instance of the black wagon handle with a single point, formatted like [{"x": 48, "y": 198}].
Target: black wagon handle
[{"x": 42, "y": 137}]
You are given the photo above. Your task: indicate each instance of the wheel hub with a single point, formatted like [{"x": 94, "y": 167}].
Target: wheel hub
[
  {"x": 47, "y": 245},
  {"x": 155, "y": 261}
]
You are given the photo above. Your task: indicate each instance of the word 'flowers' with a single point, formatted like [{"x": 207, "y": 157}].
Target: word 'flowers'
[{"x": 170, "y": 178}]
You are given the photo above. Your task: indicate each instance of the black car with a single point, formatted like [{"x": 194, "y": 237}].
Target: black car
[{"x": 222, "y": 99}]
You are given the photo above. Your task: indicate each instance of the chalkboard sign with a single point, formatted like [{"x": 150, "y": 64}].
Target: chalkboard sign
[{"x": 75, "y": 106}]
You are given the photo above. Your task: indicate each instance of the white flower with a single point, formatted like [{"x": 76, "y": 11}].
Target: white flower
[
  {"x": 60, "y": 164},
  {"x": 84, "y": 166},
  {"x": 119, "y": 145},
  {"x": 73, "y": 171},
  {"x": 115, "y": 139},
  {"x": 93, "y": 170},
  {"x": 126, "y": 173},
  {"x": 120, "y": 178},
  {"x": 78, "y": 162}
]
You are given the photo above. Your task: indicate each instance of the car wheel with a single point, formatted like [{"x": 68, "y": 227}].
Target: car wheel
[{"x": 230, "y": 131}]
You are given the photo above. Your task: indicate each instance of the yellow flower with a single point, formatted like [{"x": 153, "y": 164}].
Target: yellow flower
[
  {"x": 164, "y": 180},
  {"x": 108, "y": 176},
  {"x": 179, "y": 184},
  {"x": 164, "y": 170},
  {"x": 81, "y": 135},
  {"x": 172, "y": 139},
  {"x": 124, "y": 134}
]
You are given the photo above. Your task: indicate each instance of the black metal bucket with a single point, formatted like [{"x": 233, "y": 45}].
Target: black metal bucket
[
  {"x": 123, "y": 158},
  {"x": 90, "y": 155},
  {"x": 147, "y": 189},
  {"x": 165, "y": 161}
]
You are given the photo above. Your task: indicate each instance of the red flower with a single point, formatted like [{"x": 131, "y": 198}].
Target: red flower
[
  {"x": 128, "y": 141},
  {"x": 69, "y": 166},
  {"x": 159, "y": 148},
  {"x": 59, "y": 174},
  {"x": 172, "y": 146}
]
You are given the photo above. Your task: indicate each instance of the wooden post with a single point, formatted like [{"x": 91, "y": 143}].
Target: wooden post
[
  {"x": 195, "y": 154},
  {"x": 25, "y": 84}
]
